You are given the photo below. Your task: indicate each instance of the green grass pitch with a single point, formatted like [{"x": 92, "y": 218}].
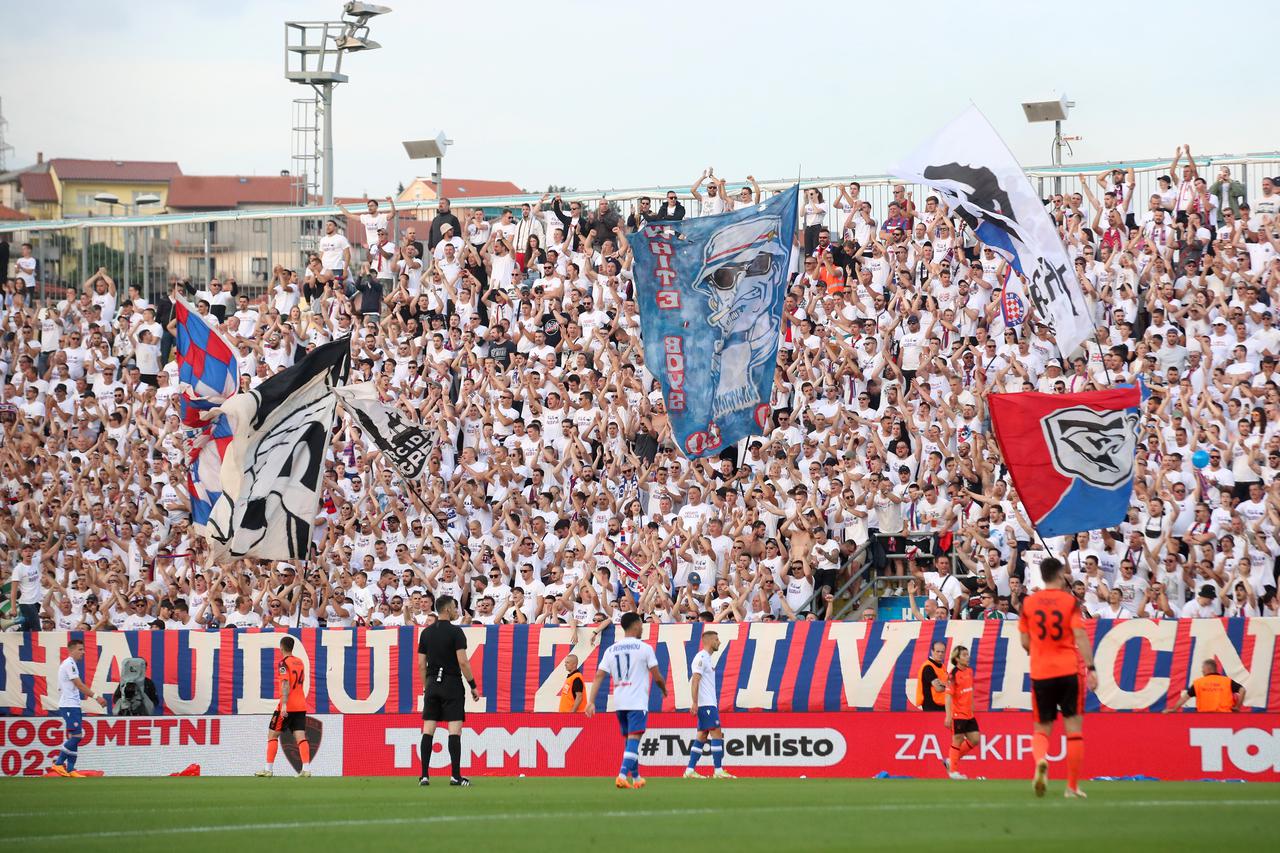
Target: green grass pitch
[{"x": 531, "y": 814}]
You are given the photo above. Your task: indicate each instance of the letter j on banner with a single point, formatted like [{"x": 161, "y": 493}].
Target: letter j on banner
[{"x": 711, "y": 293}]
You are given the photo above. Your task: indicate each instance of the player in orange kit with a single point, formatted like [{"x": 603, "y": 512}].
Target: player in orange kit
[
  {"x": 1061, "y": 667},
  {"x": 959, "y": 707},
  {"x": 291, "y": 712}
]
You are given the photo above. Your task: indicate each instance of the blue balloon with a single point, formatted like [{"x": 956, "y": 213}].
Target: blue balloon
[{"x": 1200, "y": 458}]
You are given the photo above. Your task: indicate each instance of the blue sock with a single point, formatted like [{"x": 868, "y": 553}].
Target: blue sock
[
  {"x": 695, "y": 752},
  {"x": 717, "y": 751},
  {"x": 69, "y": 753},
  {"x": 630, "y": 757}
]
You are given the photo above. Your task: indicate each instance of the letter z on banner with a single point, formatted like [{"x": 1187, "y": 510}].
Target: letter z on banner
[
  {"x": 710, "y": 293},
  {"x": 970, "y": 166}
]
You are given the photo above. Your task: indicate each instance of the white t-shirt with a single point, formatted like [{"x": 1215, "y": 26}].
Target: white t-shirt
[
  {"x": 27, "y": 272},
  {"x": 236, "y": 619},
  {"x": 68, "y": 694},
  {"x": 372, "y": 222},
  {"x": 332, "y": 247},
  {"x": 28, "y": 577},
  {"x": 708, "y": 695},
  {"x": 628, "y": 662}
]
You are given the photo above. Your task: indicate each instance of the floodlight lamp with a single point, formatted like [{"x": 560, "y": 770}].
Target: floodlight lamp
[
  {"x": 352, "y": 44},
  {"x": 1036, "y": 111},
  {"x": 364, "y": 10}
]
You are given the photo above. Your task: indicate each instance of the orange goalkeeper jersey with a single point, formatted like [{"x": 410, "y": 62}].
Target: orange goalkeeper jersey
[{"x": 292, "y": 672}]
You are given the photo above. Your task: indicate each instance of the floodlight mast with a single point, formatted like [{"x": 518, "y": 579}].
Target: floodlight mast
[{"x": 313, "y": 52}]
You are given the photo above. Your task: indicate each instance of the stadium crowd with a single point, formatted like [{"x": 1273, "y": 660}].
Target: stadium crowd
[{"x": 518, "y": 339}]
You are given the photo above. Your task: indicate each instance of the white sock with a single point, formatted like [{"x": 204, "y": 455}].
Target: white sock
[
  {"x": 267, "y": 768},
  {"x": 307, "y": 766}
]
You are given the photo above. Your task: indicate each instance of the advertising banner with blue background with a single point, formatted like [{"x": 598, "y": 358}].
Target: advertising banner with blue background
[{"x": 710, "y": 292}]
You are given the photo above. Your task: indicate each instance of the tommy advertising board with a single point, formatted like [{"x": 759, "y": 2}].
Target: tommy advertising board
[{"x": 851, "y": 745}]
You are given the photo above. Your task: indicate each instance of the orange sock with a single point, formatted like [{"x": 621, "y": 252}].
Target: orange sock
[
  {"x": 1075, "y": 757},
  {"x": 304, "y": 751},
  {"x": 272, "y": 746},
  {"x": 954, "y": 758},
  {"x": 1039, "y": 746},
  {"x": 966, "y": 747}
]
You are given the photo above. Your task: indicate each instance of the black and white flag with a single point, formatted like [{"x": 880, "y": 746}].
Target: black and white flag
[
  {"x": 274, "y": 467},
  {"x": 405, "y": 443},
  {"x": 969, "y": 165}
]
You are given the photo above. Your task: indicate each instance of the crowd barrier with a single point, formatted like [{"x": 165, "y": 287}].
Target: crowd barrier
[
  {"x": 848, "y": 745},
  {"x": 782, "y": 667}
]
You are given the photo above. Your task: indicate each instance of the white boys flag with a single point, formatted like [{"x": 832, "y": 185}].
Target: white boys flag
[{"x": 970, "y": 166}]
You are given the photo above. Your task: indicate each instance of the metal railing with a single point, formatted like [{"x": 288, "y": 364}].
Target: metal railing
[
  {"x": 246, "y": 245},
  {"x": 844, "y": 588}
]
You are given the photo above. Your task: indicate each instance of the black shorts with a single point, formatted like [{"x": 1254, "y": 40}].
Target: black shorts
[
  {"x": 294, "y": 721},
  {"x": 961, "y": 727},
  {"x": 444, "y": 707},
  {"x": 1049, "y": 696}
]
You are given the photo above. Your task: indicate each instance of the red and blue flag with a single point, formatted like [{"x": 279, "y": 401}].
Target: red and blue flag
[
  {"x": 1070, "y": 456},
  {"x": 207, "y": 375},
  {"x": 629, "y": 571}
]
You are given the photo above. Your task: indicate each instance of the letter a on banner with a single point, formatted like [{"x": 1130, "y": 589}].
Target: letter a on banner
[
  {"x": 710, "y": 292},
  {"x": 970, "y": 166}
]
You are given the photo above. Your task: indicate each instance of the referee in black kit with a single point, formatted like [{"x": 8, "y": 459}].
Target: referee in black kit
[{"x": 442, "y": 656}]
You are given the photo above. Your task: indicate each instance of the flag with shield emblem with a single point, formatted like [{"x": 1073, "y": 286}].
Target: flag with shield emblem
[{"x": 1070, "y": 456}]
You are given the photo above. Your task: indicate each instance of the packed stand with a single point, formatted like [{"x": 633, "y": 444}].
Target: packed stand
[{"x": 518, "y": 338}]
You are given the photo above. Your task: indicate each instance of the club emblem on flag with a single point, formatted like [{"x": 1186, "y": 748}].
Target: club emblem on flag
[
  {"x": 1070, "y": 456},
  {"x": 1014, "y": 311},
  {"x": 1097, "y": 447}
]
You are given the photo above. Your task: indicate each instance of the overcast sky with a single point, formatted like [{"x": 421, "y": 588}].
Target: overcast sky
[{"x": 611, "y": 95}]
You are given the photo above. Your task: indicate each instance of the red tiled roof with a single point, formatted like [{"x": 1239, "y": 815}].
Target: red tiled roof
[
  {"x": 469, "y": 188},
  {"x": 37, "y": 186},
  {"x": 214, "y": 192},
  {"x": 134, "y": 171},
  {"x": 10, "y": 213}
]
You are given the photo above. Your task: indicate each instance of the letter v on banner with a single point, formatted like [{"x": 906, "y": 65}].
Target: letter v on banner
[{"x": 968, "y": 164}]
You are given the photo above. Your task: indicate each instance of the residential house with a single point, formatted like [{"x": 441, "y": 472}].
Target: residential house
[
  {"x": 246, "y": 248},
  {"x": 457, "y": 190},
  {"x": 65, "y": 188}
]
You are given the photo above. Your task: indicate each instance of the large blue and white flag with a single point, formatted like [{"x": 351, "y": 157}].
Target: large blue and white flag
[
  {"x": 711, "y": 293},
  {"x": 970, "y": 166}
]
